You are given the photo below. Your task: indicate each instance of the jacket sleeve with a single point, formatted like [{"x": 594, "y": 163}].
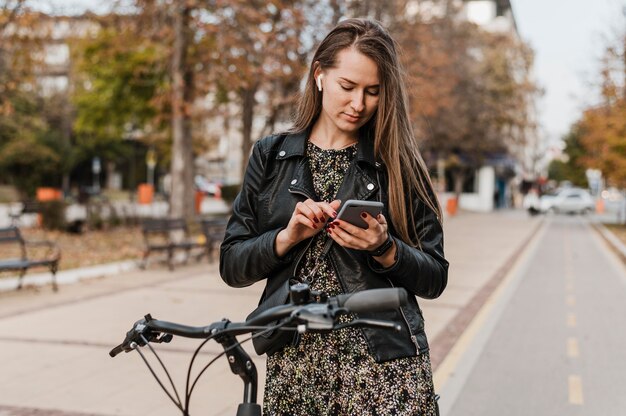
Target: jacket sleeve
[
  {"x": 246, "y": 255},
  {"x": 422, "y": 270}
]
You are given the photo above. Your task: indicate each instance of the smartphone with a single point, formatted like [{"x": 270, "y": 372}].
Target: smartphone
[{"x": 351, "y": 211}]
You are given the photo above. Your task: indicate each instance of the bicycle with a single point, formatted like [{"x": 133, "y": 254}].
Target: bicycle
[{"x": 307, "y": 311}]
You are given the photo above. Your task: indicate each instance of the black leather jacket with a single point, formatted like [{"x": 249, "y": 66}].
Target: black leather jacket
[{"x": 278, "y": 177}]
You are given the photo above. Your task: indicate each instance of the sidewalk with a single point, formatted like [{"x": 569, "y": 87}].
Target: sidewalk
[{"x": 55, "y": 346}]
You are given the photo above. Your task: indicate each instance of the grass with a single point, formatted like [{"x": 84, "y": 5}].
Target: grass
[{"x": 92, "y": 247}]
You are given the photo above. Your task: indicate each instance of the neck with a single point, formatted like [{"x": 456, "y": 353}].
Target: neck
[{"x": 327, "y": 137}]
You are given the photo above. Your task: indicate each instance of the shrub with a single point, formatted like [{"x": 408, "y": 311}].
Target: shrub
[{"x": 53, "y": 215}]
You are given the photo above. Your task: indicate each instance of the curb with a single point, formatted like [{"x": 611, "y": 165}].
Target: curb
[
  {"x": 28, "y": 411},
  {"x": 615, "y": 243},
  {"x": 69, "y": 276},
  {"x": 447, "y": 339}
]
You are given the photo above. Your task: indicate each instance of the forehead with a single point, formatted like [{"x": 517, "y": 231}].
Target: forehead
[{"x": 356, "y": 67}]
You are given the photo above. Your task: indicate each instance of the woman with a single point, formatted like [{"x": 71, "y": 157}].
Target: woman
[{"x": 351, "y": 139}]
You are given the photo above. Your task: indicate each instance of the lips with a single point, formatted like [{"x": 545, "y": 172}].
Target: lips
[{"x": 351, "y": 118}]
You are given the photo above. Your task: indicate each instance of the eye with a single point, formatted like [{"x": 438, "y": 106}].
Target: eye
[
  {"x": 346, "y": 88},
  {"x": 373, "y": 93}
]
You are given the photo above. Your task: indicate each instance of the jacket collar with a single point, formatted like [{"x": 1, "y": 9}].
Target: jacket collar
[{"x": 295, "y": 145}]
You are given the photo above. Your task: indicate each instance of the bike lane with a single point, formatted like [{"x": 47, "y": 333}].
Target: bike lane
[{"x": 552, "y": 343}]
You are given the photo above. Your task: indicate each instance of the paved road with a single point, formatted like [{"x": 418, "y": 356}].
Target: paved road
[{"x": 555, "y": 340}]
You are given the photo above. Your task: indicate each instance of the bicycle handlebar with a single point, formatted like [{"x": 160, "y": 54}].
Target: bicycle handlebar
[
  {"x": 308, "y": 311},
  {"x": 319, "y": 315},
  {"x": 373, "y": 300}
]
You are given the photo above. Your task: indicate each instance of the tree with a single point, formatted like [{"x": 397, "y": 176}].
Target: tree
[
  {"x": 572, "y": 168},
  {"x": 27, "y": 158},
  {"x": 116, "y": 79},
  {"x": 472, "y": 93},
  {"x": 603, "y": 127},
  {"x": 262, "y": 53},
  {"x": 604, "y": 138},
  {"x": 470, "y": 90},
  {"x": 182, "y": 98}
]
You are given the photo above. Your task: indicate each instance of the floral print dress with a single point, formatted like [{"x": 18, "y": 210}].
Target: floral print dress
[{"x": 333, "y": 373}]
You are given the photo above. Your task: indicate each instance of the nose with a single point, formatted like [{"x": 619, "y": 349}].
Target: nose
[{"x": 358, "y": 101}]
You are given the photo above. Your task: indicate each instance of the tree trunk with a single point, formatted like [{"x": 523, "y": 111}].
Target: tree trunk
[
  {"x": 459, "y": 178},
  {"x": 181, "y": 196},
  {"x": 248, "y": 103}
]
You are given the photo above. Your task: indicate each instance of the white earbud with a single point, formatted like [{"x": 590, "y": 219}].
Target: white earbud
[{"x": 319, "y": 82}]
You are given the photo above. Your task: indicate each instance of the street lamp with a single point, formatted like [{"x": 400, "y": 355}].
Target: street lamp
[
  {"x": 151, "y": 161},
  {"x": 96, "y": 167}
]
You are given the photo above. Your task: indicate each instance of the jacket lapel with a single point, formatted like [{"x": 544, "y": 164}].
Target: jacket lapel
[{"x": 357, "y": 183}]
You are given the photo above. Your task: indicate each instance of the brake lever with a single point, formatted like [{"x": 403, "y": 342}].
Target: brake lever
[
  {"x": 316, "y": 317},
  {"x": 138, "y": 336}
]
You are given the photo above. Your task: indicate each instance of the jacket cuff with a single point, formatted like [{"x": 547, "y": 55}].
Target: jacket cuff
[{"x": 271, "y": 240}]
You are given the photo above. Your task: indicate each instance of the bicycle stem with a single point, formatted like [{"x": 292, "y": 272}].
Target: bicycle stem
[{"x": 240, "y": 364}]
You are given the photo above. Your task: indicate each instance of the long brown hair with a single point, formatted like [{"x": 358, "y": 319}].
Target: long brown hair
[{"x": 395, "y": 143}]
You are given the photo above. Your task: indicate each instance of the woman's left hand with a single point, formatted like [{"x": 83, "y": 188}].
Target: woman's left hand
[
  {"x": 369, "y": 239},
  {"x": 351, "y": 236}
]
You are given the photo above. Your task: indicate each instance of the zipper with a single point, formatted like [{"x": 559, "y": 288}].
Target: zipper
[
  {"x": 406, "y": 321},
  {"x": 295, "y": 269},
  {"x": 300, "y": 256}
]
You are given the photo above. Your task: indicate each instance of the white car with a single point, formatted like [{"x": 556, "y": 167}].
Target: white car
[
  {"x": 568, "y": 200},
  {"x": 204, "y": 185}
]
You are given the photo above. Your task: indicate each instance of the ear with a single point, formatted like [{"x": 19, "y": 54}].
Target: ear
[{"x": 318, "y": 75}]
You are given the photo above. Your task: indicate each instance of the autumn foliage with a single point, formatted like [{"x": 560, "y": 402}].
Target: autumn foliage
[
  {"x": 162, "y": 70},
  {"x": 602, "y": 128}
]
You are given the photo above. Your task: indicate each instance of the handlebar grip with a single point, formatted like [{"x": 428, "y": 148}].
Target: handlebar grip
[
  {"x": 373, "y": 300},
  {"x": 116, "y": 351}
]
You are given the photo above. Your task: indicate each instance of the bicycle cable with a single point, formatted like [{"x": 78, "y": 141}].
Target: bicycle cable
[
  {"x": 190, "y": 390},
  {"x": 145, "y": 360}
]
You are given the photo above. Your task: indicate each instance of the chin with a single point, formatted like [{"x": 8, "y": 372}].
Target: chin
[{"x": 349, "y": 127}]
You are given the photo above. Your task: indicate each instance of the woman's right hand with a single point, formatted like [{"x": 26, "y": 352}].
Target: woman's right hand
[{"x": 308, "y": 218}]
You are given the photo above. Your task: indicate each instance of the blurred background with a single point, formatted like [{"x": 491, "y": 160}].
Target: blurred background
[
  {"x": 506, "y": 98},
  {"x": 113, "y": 113}
]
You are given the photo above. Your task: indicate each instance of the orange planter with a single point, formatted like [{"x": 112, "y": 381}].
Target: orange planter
[
  {"x": 49, "y": 194},
  {"x": 198, "y": 201},
  {"x": 145, "y": 193},
  {"x": 600, "y": 206},
  {"x": 452, "y": 206}
]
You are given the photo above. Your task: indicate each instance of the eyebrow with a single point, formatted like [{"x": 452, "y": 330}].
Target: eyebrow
[{"x": 354, "y": 83}]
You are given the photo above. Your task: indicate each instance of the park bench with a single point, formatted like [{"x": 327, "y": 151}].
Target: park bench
[
  {"x": 20, "y": 260},
  {"x": 29, "y": 206},
  {"x": 213, "y": 230},
  {"x": 167, "y": 235}
]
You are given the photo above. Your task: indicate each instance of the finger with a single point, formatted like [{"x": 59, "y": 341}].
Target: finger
[
  {"x": 372, "y": 222},
  {"x": 306, "y": 221},
  {"x": 349, "y": 228},
  {"x": 344, "y": 235},
  {"x": 318, "y": 213},
  {"x": 302, "y": 208},
  {"x": 336, "y": 234},
  {"x": 328, "y": 209},
  {"x": 381, "y": 219},
  {"x": 363, "y": 238}
]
